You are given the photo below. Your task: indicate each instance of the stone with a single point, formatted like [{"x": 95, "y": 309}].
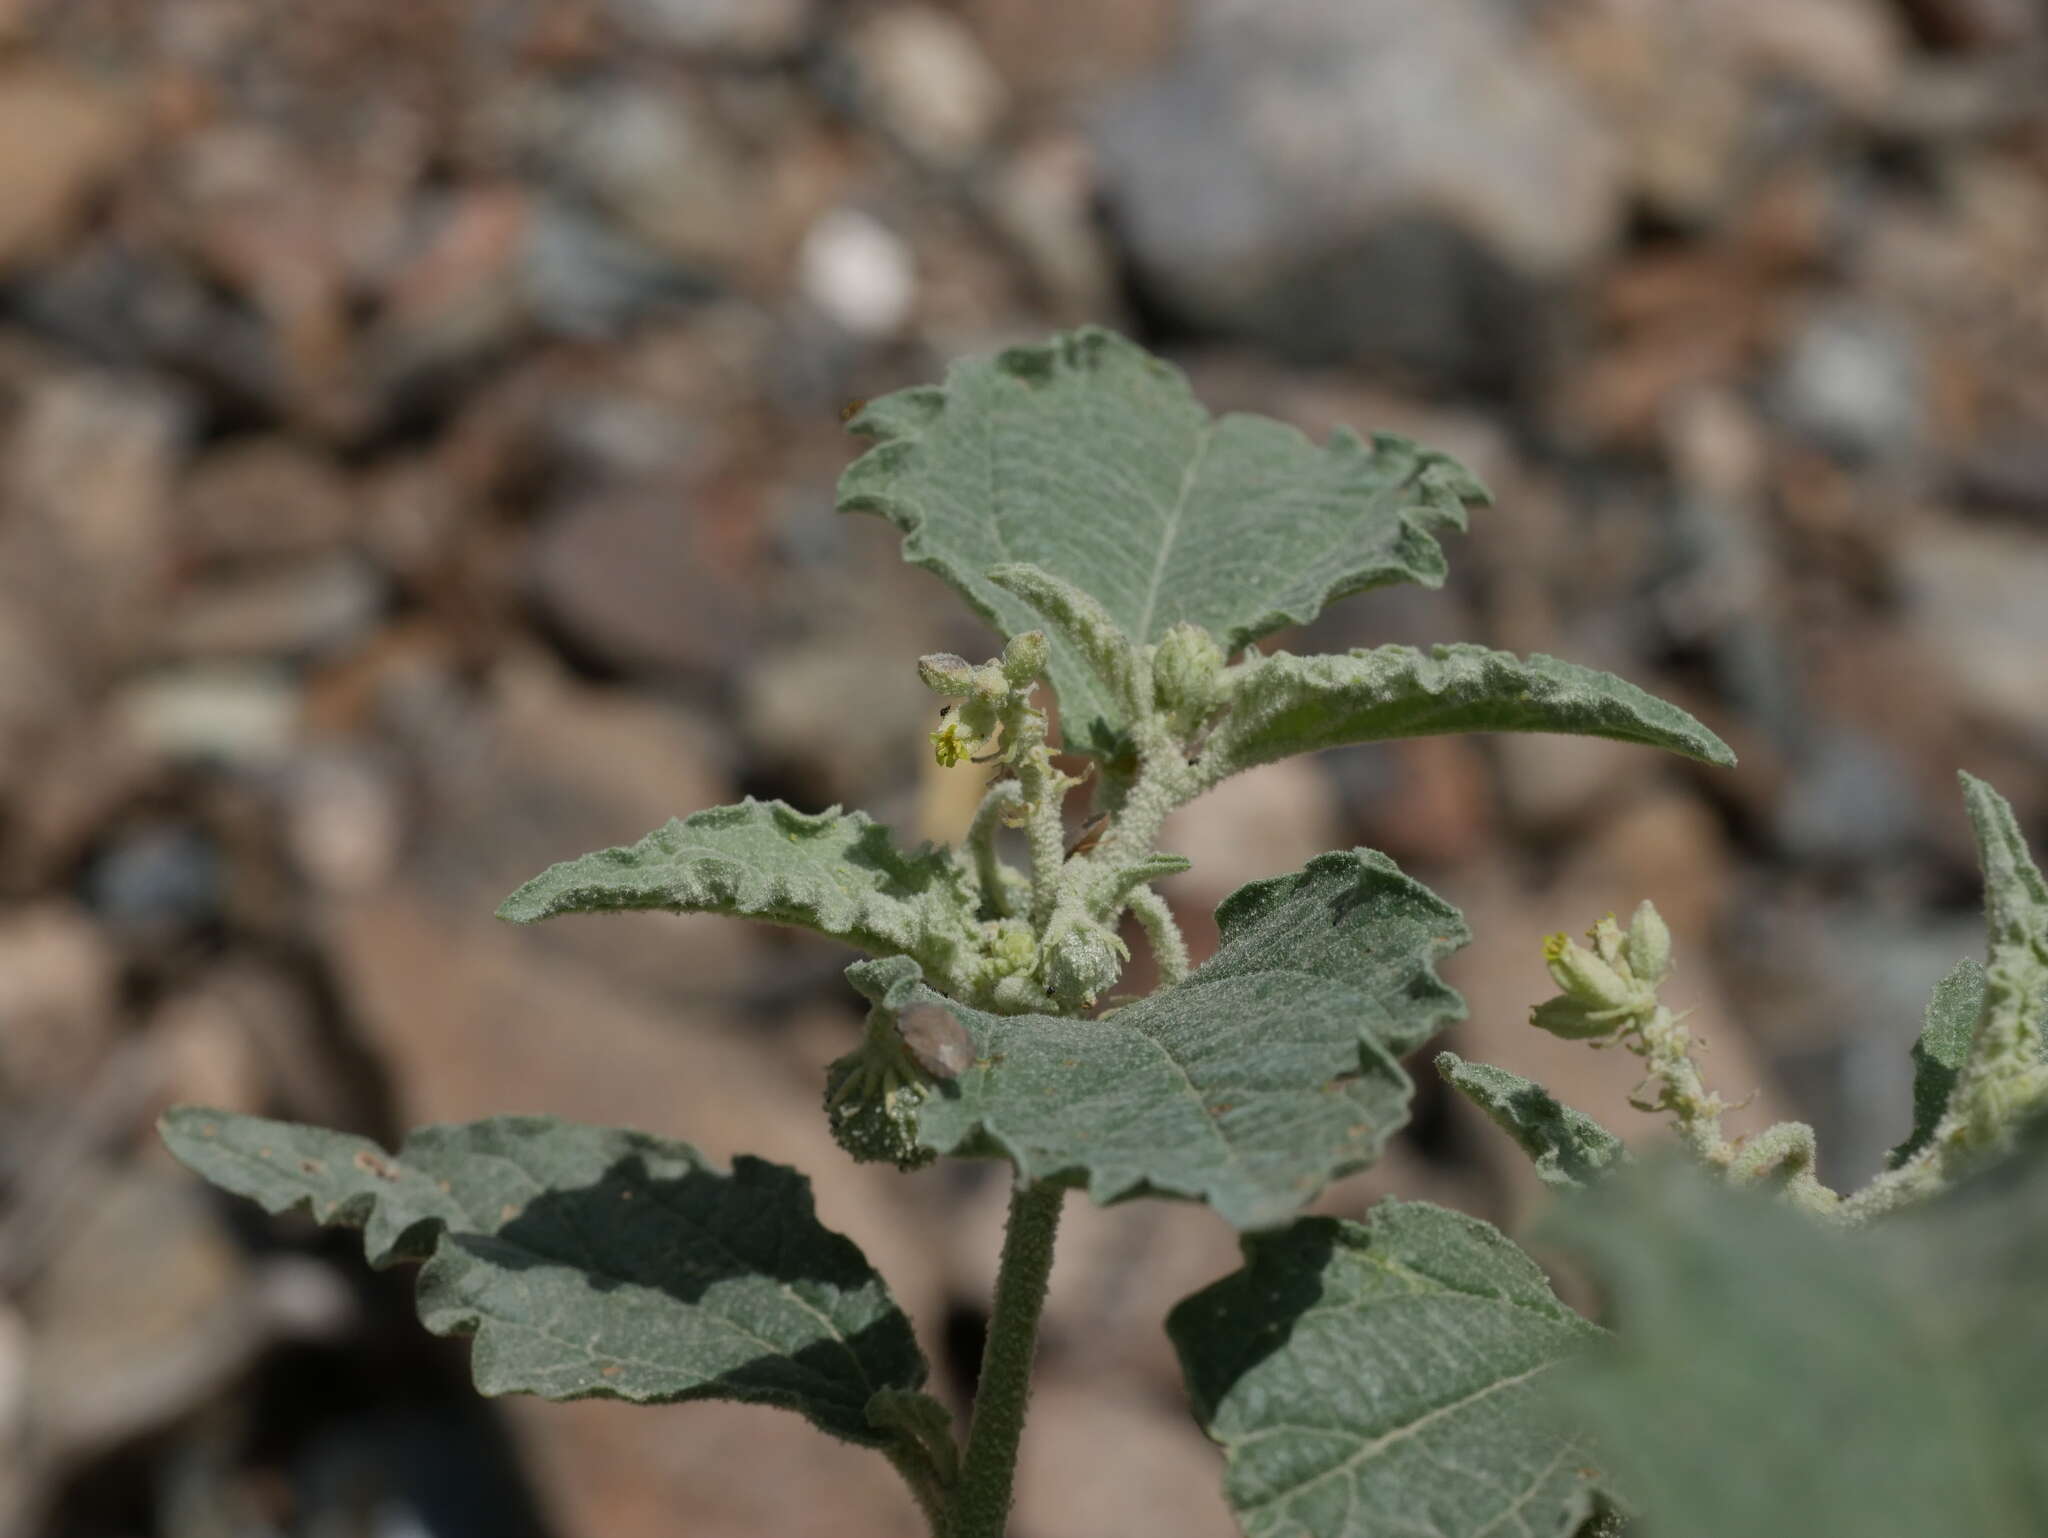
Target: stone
[
  {"x": 1267, "y": 822},
  {"x": 1074, "y": 49},
  {"x": 300, "y": 611},
  {"x": 263, "y": 497},
  {"x": 1973, "y": 596},
  {"x": 87, "y": 472},
  {"x": 1853, "y": 380},
  {"x": 923, "y": 75},
  {"x": 140, "y": 1313},
  {"x": 720, "y": 1470},
  {"x": 61, "y": 138},
  {"x": 58, "y": 1001},
  {"x": 244, "y": 714},
  {"x": 858, "y": 273},
  {"x": 1392, "y": 177},
  {"x": 632, "y": 580},
  {"x": 751, "y": 30},
  {"x": 1096, "y": 1463},
  {"x": 344, "y": 824}
]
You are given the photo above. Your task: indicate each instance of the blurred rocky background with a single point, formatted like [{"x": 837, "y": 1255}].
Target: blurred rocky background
[{"x": 418, "y": 422}]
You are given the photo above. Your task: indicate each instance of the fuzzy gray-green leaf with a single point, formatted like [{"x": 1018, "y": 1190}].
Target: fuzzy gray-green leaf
[
  {"x": 1939, "y": 1054},
  {"x": 836, "y": 872},
  {"x": 1282, "y": 704},
  {"x": 1388, "y": 1377},
  {"x": 1776, "y": 1375},
  {"x": 1269, "y": 1072},
  {"x": 1088, "y": 458},
  {"x": 590, "y": 1262},
  {"x": 1567, "y": 1147}
]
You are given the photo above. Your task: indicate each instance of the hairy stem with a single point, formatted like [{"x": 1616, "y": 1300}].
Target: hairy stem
[
  {"x": 918, "y": 1474},
  {"x": 1169, "y": 948},
  {"x": 1043, "y": 788},
  {"x": 1164, "y": 782},
  {"x": 1666, "y": 1045},
  {"x": 981, "y": 1501},
  {"x": 990, "y": 873}
]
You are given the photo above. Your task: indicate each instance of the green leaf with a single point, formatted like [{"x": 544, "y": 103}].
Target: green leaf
[
  {"x": 2015, "y": 918},
  {"x": 1568, "y": 1147},
  {"x": 590, "y": 1262},
  {"x": 1269, "y": 1072},
  {"x": 1939, "y": 1054},
  {"x": 1388, "y": 1377},
  {"x": 1083, "y": 624},
  {"x": 1283, "y": 704},
  {"x": 1776, "y": 1375},
  {"x": 837, "y": 873},
  {"x": 1093, "y": 461}
]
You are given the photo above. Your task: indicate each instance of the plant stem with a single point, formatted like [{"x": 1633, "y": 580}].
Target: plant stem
[
  {"x": 989, "y": 871},
  {"x": 981, "y": 1500},
  {"x": 1169, "y": 948}
]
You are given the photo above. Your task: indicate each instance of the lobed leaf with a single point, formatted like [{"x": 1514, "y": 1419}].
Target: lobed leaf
[
  {"x": 1388, "y": 1377},
  {"x": 594, "y": 1263},
  {"x": 836, "y": 872},
  {"x": 1266, "y": 1074},
  {"x": 1093, "y": 461},
  {"x": 1568, "y": 1147},
  {"x": 1774, "y": 1375},
  {"x": 1283, "y": 704}
]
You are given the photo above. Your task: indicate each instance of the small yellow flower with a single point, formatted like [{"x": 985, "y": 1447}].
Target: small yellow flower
[{"x": 952, "y": 746}]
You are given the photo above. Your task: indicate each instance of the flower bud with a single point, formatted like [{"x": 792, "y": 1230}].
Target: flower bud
[
  {"x": 1187, "y": 666},
  {"x": 1608, "y": 943},
  {"x": 947, "y": 674},
  {"x": 1081, "y": 960},
  {"x": 1024, "y": 658},
  {"x": 1586, "y": 978},
  {"x": 1572, "y": 1020},
  {"x": 1648, "y": 947}
]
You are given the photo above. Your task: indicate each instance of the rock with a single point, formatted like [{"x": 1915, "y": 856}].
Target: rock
[
  {"x": 1393, "y": 177},
  {"x": 297, "y": 611},
  {"x": 730, "y": 1471},
  {"x": 157, "y": 879},
  {"x": 663, "y": 169},
  {"x": 923, "y": 75},
  {"x": 344, "y": 825},
  {"x": 243, "y": 714},
  {"x": 1268, "y": 822},
  {"x": 1099, "y": 1464},
  {"x": 141, "y": 1313},
  {"x": 855, "y": 270},
  {"x": 643, "y": 586},
  {"x": 61, "y": 137},
  {"x": 1852, "y": 800},
  {"x": 1553, "y": 784},
  {"x": 1074, "y": 49},
  {"x": 842, "y": 717},
  {"x": 1974, "y": 24},
  {"x": 88, "y": 466},
  {"x": 264, "y": 497},
  {"x": 750, "y": 30},
  {"x": 1974, "y": 602},
  {"x": 58, "y": 1002},
  {"x": 1117, "y": 1272},
  {"x": 1853, "y": 380},
  {"x": 1045, "y": 202}
]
